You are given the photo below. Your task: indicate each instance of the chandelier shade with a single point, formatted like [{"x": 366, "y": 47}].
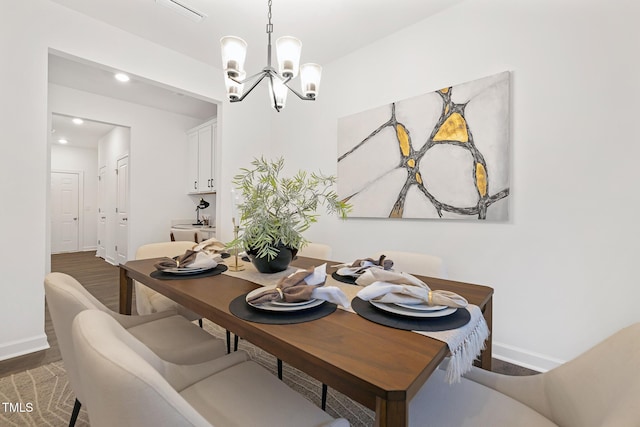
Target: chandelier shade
[
  {"x": 288, "y": 50},
  {"x": 234, "y": 52},
  {"x": 310, "y": 79}
]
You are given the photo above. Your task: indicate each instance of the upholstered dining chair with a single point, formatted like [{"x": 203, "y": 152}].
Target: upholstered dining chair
[
  {"x": 183, "y": 235},
  {"x": 316, "y": 250},
  {"x": 126, "y": 384},
  {"x": 599, "y": 388},
  {"x": 416, "y": 263},
  {"x": 168, "y": 334},
  {"x": 149, "y": 301}
]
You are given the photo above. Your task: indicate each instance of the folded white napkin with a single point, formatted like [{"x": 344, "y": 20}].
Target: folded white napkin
[
  {"x": 203, "y": 260},
  {"x": 303, "y": 285},
  {"x": 212, "y": 247},
  {"x": 359, "y": 266},
  {"x": 332, "y": 294},
  {"x": 189, "y": 260},
  {"x": 398, "y": 287}
]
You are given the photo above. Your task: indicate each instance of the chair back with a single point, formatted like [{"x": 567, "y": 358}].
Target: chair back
[
  {"x": 122, "y": 378},
  {"x": 66, "y": 298},
  {"x": 183, "y": 235},
  {"x": 316, "y": 250},
  {"x": 601, "y": 387},
  {"x": 144, "y": 294},
  {"x": 416, "y": 263}
]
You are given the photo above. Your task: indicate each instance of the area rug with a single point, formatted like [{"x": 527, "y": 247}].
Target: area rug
[{"x": 43, "y": 396}]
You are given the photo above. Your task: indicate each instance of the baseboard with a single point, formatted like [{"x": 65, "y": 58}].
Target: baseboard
[
  {"x": 89, "y": 248},
  {"x": 526, "y": 359},
  {"x": 22, "y": 347},
  {"x": 111, "y": 261}
]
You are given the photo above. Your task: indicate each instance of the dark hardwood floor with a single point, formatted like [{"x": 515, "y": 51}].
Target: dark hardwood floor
[
  {"x": 97, "y": 275},
  {"x": 102, "y": 280}
]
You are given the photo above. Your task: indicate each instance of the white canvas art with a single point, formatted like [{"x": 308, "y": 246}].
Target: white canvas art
[{"x": 444, "y": 154}]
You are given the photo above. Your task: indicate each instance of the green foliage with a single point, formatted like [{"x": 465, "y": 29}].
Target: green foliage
[{"x": 278, "y": 209}]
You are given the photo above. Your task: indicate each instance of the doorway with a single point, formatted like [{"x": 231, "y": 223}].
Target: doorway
[{"x": 85, "y": 188}]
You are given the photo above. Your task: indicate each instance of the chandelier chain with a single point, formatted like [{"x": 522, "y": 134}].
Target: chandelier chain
[{"x": 269, "y": 25}]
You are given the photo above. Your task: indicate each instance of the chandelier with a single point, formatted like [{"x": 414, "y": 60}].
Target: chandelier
[{"x": 234, "y": 51}]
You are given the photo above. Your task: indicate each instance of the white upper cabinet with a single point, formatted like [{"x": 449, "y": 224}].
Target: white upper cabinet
[{"x": 201, "y": 152}]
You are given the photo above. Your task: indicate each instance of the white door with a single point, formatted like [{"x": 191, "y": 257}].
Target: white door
[
  {"x": 122, "y": 209},
  {"x": 64, "y": 215},
  {"x": 102, "y": 213}
]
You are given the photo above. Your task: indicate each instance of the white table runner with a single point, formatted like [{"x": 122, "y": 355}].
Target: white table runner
[{"x": 465, "y": 343}]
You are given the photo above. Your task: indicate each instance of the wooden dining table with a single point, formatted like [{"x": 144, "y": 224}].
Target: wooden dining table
[{"x": 380, "y": 367}]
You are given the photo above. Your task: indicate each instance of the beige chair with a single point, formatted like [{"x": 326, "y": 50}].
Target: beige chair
[
  {"x": 316, "y": 250},
  {"x": 416, "y": 263},
  {"x": 183, "y": 235},
  {"x": 169, "y": 335},
  {"x": 600, "y": 388},
  {"x": 149, "y": 301},
  {"x": 126, "y": 384}
]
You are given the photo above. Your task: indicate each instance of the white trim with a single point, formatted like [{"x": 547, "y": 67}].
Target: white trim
[
  {"x": 526, "y": 359},
  {"x": 24, "y": 346}
]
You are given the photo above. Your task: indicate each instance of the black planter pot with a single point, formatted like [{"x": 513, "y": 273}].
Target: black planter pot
[{"x": 277, "y": 264}]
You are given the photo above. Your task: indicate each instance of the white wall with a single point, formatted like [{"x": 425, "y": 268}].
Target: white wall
[
  {"x": 27, "y": 31},
  {"x": 562, "y": 266},
  {"x": 85, "y": 160}
]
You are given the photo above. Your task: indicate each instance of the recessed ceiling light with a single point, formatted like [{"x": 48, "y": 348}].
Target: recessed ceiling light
[
  {"x": 77, "y": 121},
  {"x": 122, "y": 77},
  {"x": 62, "y": 141}
]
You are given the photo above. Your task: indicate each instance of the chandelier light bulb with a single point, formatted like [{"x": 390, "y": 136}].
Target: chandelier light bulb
[
  {"x": 288, "y": 49},
  {"x": 234, "y": 89},
  {"x": 310, "y": 75},
  {"x": 234, "y": 52},
  {"x": 280, "y": 91}
]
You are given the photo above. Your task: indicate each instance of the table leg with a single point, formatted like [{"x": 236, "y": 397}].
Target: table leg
[
  {"x": 126, "y": 292},
  {"x": 391, "y": 413},
  {"x": 486, "y": 355}
]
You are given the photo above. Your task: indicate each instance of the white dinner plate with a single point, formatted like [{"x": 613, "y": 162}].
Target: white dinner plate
[
  {"x": 395, "y": 309},
  {"x": 293, "y": 304},
  {"x": 421, "y": 307},
  {"x": 187, "y": 270},
  {"x": 281, "y": 306}
]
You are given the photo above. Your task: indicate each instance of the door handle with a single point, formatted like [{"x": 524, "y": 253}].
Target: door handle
[
  {"x": 75, "y": 219},
  {"x": 125, "y": 219},
  {"x": 195, "y": 185}
]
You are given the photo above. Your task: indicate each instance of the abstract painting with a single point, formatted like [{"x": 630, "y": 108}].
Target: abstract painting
[{"x": 442, "y": 155}]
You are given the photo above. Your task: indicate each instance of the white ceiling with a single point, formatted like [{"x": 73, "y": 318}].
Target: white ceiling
[
  {"x": 328, "y": 29},
  {"x": 98, "y": 79},
  {"x": 84, "y": 135}
]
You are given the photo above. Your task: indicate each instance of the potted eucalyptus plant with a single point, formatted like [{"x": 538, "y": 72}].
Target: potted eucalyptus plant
[{"x": 274, "y": 211}]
